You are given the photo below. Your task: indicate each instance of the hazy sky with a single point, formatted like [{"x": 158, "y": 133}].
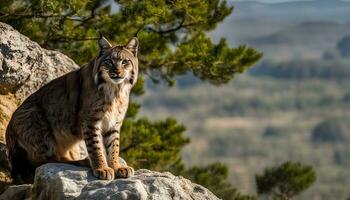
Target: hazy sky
[
  {"x": 270, "y": 1},
  {"x": 267, "y": 1},
  {"x": 278, "y": 1}
]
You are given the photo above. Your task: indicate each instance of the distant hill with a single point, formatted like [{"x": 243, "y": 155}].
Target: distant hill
[
  {"x": 297, "y": 11},
  {"x": 285, "y": 31}
]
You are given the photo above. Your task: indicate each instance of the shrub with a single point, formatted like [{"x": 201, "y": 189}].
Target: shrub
[
  {"x": 271, "y": 131},
  {"x": 329, "y": 131}
]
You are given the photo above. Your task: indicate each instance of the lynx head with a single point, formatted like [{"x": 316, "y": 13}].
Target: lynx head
[{"x": 116, "y": 64}]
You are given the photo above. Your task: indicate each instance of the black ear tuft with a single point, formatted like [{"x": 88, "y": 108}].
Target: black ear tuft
[
  {"x": 104, "y": 44},
  {"x": 133, "y": 45}
]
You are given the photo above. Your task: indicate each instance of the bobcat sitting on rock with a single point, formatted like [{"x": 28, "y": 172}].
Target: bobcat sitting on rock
[{"x": 88, "y": 104}]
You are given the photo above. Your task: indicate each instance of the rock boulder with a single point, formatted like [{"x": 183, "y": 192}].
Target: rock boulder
[
  {"x": 62, "y": 181},
  {"x": 25, "y": 66}
]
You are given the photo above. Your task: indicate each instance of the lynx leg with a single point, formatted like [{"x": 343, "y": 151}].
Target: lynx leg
[
  {"x": 111, "y": 142},
  {"x": 96, "y": 152}
]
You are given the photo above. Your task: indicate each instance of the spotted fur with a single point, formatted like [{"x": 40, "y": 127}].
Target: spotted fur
[{"x": 88, "y": 104}]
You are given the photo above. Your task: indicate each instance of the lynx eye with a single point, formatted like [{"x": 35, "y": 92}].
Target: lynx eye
[
  {"x": 125, "y": 62},
  {"x": 109, "y": 62}
]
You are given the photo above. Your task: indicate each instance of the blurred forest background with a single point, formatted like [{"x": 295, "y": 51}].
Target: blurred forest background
[{"x": 291, "y": 107}]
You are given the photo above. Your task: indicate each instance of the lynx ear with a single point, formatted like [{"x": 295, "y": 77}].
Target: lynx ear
[
  {"x": 133, "y": 45},
  {"x": 104, "y": 44}
]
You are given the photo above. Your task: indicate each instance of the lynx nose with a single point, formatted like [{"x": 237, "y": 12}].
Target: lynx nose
[{"x": 119, "y": 71}]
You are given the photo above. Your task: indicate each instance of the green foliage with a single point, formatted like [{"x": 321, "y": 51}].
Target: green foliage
[
  {"x": 341, "y": 156},
  {"x": 172, "y": 42},
  {"x": 152, "y": 145},
  {"x": 343, "y": 46},
  {"x": 285, "y": 181},
  {"x": 272, "y": 131},
  {"x": 217, "y": 63},
  {"x": 171, "y": 33},
  {"x": 329, "y": 131},
  {"x": 214, "y": 178}
]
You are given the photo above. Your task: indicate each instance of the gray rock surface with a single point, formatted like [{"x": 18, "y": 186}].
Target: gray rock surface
[
  {"x": 62, "y": 181},
  {"x": 25, "y": 66}
]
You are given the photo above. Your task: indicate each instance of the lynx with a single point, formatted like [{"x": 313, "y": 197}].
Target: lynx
[{"x": 88, "y": 104}]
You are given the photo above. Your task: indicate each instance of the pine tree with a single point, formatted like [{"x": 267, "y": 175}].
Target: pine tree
[
  {"x": 172, "y": 42},
  {"x": 285, "y": 181},
  {"x": 214, "y": 178}
]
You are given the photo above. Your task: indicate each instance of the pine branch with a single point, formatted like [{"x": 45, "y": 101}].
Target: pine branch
[
  {"x": 92, "y": 15},
  {"x": 70, "y": 39},
  {"x": 40, "y": 15},
  {"x": 171, "y": 30}
]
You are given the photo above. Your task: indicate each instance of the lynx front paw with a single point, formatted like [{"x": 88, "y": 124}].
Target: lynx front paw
[
  {"x": 124, "y": 172},
  {"x": 106, "y": 173}
]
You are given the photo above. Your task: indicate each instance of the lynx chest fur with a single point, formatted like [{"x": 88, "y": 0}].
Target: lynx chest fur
[
  {"x": 85, "y": 105},
  {"x": 116, "y": 111}
]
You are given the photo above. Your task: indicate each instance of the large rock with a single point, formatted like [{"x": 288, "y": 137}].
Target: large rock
[
  {"x": 25, "y": 66},
  {"x": 62, "y": 181}
]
